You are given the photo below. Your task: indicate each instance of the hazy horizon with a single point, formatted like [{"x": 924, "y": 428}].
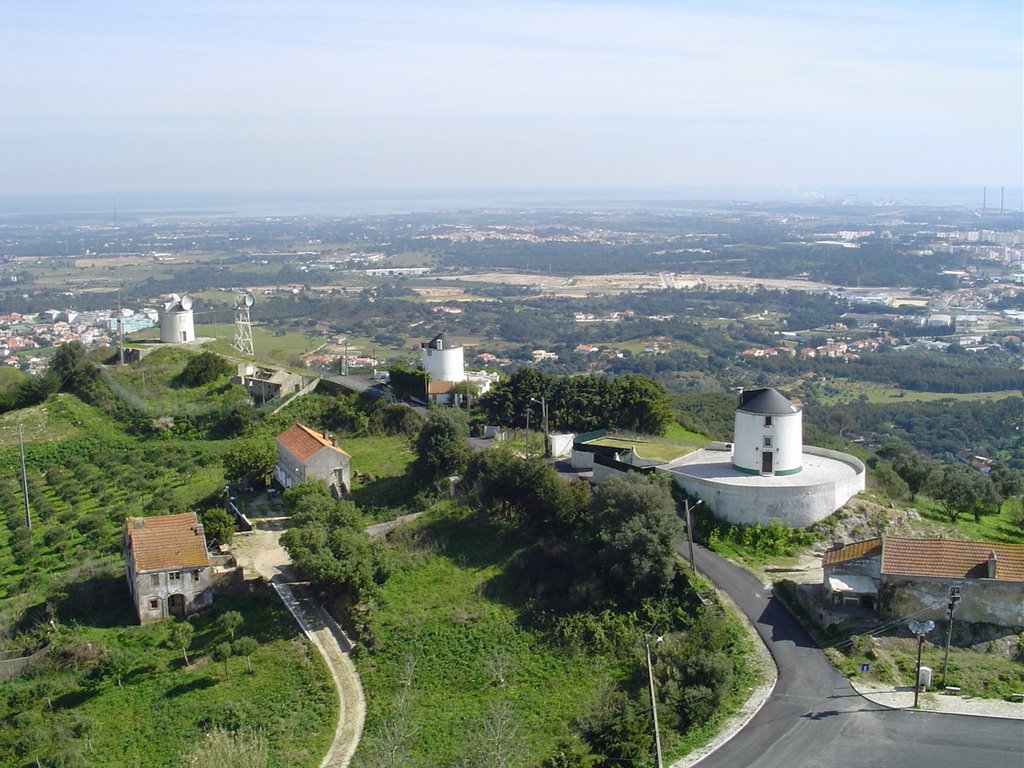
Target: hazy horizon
[
  {"x": 198, "y": 97},
  {"x": 243, "y": 203}
]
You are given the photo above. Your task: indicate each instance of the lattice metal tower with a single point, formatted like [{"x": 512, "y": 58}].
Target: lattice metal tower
[{"x": 243, "y": 327}]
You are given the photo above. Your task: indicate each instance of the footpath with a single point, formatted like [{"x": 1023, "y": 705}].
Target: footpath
[{"x": 260, "y": 552}]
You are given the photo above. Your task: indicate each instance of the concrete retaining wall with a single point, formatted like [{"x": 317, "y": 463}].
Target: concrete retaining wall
[{"x": 798, "y": 506}]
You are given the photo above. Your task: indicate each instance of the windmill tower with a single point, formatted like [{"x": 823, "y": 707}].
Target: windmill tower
[{"x": 243, "y": 327}]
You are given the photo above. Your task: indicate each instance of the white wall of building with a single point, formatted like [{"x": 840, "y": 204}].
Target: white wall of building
[
  {"x": 444, "y": 364},
  {"x": 779, "y": 434},
  {"x": 177, "y": 326}
]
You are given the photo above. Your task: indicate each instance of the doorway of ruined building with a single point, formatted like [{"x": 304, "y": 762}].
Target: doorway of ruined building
[{"x": 176, "y": 605}]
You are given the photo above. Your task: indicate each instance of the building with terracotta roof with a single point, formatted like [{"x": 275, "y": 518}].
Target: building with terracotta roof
[
  {"x": 913, "y": 577},
  {"x": 168, "y": 569},
  {"x": 305, "y": 454}
]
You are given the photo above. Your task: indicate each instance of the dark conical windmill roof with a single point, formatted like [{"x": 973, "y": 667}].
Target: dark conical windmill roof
[
  {"x": 767, "y": 401},
  {"x": 438, "y": 342}
]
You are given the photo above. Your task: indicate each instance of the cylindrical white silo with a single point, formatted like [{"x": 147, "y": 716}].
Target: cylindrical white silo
[
  {"x": 443, "y": 360},
  {"x": 768, "y": 434},
  {"x": 176, "y": 322}
]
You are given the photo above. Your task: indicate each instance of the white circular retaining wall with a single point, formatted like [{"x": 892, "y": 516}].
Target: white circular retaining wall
[{"x": 827, "y": 481}]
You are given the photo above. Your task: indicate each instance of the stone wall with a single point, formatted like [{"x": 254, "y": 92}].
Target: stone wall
[{"x": 985, "y": 601}]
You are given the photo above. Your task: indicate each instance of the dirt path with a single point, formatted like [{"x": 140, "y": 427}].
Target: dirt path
[{"x": 260, "y": 553}]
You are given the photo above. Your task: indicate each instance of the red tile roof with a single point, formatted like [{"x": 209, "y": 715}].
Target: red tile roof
[
  {"x": 851, "y": 551},
  {"x": 166, "y": 542},
  {"x": 948, "y": 558},
  {"x": 302, "y": 442}
]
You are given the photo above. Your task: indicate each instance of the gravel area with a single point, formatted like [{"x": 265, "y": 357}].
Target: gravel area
[{"x": 903, "y": 698}]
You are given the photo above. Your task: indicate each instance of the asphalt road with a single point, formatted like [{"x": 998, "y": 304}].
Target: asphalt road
[{"x": 814, "y": 717}]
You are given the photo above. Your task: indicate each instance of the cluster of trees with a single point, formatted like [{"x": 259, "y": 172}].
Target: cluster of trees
[
  {"x": 326, "y": 542},
  {"x": 923, "y": 371},
  {"x": 613, "y": 548},
  {"x": 957, "y": 487},
  {"x": 204, "y": 368},
  {"x": 579, "y": 403},
  {"x": 943, "y": 428}
]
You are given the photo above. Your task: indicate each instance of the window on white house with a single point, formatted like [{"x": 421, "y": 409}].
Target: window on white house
[
  {"x": 154, "y": 580},
  {"x": 154, "y": 604},
  {"x": 195, "y": 574},
  {"x": 174, "y": 576},
  {"x": 767, "y": 442},
  {"x": 767, "y": 421}
]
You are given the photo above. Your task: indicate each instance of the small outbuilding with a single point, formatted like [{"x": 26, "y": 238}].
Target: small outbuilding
[
  {"x": 168, "y": 569},
  {"x": 913, "y": 577},
  {"x": 305, "y": 454}
]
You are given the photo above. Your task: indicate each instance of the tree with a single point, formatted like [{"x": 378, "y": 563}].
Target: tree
[
  {"x": 115, "y": 664},
  {"x": 407, "y": 382},
  {"x": 442, "y": 447},
  {"x": 181, "y": 637},
  {"x": 1009, "y": 482},
  {"x": 204, "y": 368},
  {"x": 636, "y": 528},
  {"x": 246, "y": 646},
  {"x": 643, "y": 405},
  {"x": 915, "y": 471},
  {"x": 229, "y": 622},
  {"x": 218, "y": 526},
  {"x": 222, "y": 652},
  {"x": 251, "y": 459},
  {"x": 961, "y": 489}
]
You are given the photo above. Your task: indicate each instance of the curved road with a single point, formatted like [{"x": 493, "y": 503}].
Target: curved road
[{"x": 814, "y": 717}]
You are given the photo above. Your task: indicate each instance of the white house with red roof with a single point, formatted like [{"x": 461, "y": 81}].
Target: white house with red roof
[
  {"x": 305, "y": 454},
  {"x": 168, "y": 569}
]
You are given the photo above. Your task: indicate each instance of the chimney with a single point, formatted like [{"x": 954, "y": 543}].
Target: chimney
[{"x": 992, "y": 564}]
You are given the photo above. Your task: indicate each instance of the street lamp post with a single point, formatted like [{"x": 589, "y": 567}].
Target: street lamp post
[
  {"x": 654, "y": 703},
  {"x": 954, "y": 597},
  {"x": 919, "y": 628},
  {"x": 689, "y": 530}
]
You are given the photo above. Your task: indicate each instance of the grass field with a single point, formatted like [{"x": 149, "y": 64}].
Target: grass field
[
  {"x": 1003, "y": 527},
  {"x": 677, "y": 442},
  {"x": 987, "y": 673},
  {"x": 878, "y": 393},
  {"x": 69, "y": 713},
  {"x": 448, "y": 657}
]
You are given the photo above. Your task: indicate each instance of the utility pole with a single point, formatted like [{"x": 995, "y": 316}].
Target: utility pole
[
  {"x": 654, "y": 702},
  {"x": 954, "y": 598},
  {"x": 120, "y": 329},
  {"x": 544, "y": 419},
  {"x": 24, "y": 478},
  {"x": 689, "y": 530},
  {"x": 917, "y": 677}
]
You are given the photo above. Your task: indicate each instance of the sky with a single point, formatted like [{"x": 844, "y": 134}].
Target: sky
[{"x": 98, "y": 96}]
